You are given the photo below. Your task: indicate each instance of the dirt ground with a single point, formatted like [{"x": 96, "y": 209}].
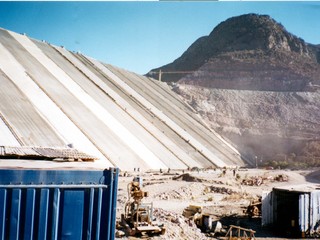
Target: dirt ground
[{"x": 224, "y": 196}]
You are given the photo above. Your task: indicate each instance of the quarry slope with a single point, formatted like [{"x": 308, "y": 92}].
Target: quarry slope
[
  {"x": 53, "y": 97},
  {"x": 257, "y": 85}
]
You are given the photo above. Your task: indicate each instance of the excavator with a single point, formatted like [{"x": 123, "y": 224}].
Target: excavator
[{"x": 138, "y": 216}]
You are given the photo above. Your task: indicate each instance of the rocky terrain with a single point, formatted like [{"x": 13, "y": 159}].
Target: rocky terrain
[
  {"x": 224, "y": 196},
  {"x": 257, "y": 85},
  {"x": 274, "y": 126},
  {"x": 248, "y": 52}
]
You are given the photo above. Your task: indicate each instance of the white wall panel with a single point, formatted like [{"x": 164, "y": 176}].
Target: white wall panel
[
  {"x": 46, "y": 107},
  {"x": 174, "y": 126},
  {"x": 6, "y": 136},
  {"x": 126, "y": 136},
  {"x": 162, "y": 138}
]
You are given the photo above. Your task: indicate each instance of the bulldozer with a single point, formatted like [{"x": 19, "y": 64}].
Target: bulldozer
[{"x": 138, "y": 216}]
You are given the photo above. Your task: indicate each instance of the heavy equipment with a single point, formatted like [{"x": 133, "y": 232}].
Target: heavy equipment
[
  {"x": 138, "y": 216},
  {"x": 254, "y": 208}
]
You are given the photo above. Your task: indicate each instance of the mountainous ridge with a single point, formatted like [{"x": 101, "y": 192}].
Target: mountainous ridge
[
  {"x": 258, "y": 86},
  {"x": 248, "y": 39}
]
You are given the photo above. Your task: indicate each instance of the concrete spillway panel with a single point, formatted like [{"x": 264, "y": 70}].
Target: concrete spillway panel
[
  {"x": 112, "y": 102},
  {"x": 124, "y": 102},
  {"x": 25, "y": 122},
  {"x": 179, "y": 113},
  {"x": 47, "y": 108},
  {"x": 161, "y": 115},
  {"x": 124, "y": 119},
  {"x": 76, "y": 104}
]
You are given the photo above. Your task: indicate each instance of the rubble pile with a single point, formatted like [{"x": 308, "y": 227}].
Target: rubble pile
[
  {"x": 259, "y": 180},
  {"x": 252, "y": 181},
  {"x": 188, "y": 178},
  {"x": 281, "y": 178},
  {"x": 177, "y": 226},
  {"x": 221, "y": 190},
  {"x": 184, "y": 192}
]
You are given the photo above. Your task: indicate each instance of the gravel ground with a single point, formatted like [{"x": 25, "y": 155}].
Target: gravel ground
[{"x": 223, "y": 196}]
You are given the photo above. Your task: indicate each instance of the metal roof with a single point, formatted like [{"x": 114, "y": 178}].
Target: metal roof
[
  {"x": 52, "y": 97},
  {"x": 59, "y": 154},
  {"x": 299, "y": 188}
]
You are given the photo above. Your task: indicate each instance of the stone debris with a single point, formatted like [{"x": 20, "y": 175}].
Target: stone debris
[
  {"x": 223, "y": 198},
  {"x": 178, "y": 227},
  {"x": 259, "y": 180},
  {"x": 184, "y": 192},
  {"x": 221, "y": 190},
  {"x": 253, "y": 181},
  {"x": 188, "y": 178}
]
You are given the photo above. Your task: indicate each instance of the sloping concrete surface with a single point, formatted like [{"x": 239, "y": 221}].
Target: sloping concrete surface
[{"x": 51, "y": 97}]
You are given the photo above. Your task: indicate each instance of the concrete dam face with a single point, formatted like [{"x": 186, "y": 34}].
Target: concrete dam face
[{"x": 52, "y": 97}]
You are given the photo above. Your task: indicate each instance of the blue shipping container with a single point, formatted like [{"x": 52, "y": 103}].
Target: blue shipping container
[{"x": 58, "y": 204}]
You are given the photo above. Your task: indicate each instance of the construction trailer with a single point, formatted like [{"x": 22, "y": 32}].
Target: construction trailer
[
  {"x": 293, "y": 210},
  {"x": 57, "y": 203}
]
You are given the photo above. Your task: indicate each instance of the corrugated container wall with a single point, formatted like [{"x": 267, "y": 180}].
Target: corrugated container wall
[
  {"x": 58, "y": 204},
  {"x": 294, "y": 213}
]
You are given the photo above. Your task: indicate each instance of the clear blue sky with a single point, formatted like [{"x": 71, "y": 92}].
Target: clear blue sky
[{"x": 139, "y": 36}]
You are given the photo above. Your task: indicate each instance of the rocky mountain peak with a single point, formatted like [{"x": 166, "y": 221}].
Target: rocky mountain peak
[
  {"x": 252, "y": 32},
  {"x": 248, "y": 39},
  {"x": 257, "y": 85}
]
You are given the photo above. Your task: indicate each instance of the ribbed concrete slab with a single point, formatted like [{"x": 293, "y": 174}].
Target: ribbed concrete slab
[
  {"x": 22, "y": 118},
  {"x": 186, "y": 118},
  {"x": 46, "y": 106},
  {"x": 133, "y": 144},
  {"x": 124, "y": 119},
  {"x": 125, "y": 102},
  {"x": 7, "y": 138},
  {"x": 78, "y": 111},
  {"x": 101, "y": 94}
]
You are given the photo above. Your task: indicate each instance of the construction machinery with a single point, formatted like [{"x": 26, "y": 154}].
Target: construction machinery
[
  {"x": 203, "y": 221},
  {"x": 254, "y": 208},
  {"x": 138, "y": 216}
]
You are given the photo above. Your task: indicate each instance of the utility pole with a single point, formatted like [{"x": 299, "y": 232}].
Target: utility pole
[{"x": 169, "y": 72}]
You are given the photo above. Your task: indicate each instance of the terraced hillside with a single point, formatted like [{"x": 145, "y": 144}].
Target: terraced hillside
[{"x": 53, "y": 97}]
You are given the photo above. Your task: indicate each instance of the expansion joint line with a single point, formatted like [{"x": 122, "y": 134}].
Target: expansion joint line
[
  {"x": 45, "y": 92},
  {"x": 14, "y": 133}
]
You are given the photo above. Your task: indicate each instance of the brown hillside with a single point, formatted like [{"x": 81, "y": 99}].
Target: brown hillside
[{"x": 257, "y": 85}]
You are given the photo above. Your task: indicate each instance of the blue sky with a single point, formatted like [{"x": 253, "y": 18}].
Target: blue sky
[{"x": 139, "y": 36}]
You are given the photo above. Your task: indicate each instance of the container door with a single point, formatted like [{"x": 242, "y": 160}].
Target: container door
[
  {"x": 267, "y": 208},
  {"x": 304, "y": 212}
]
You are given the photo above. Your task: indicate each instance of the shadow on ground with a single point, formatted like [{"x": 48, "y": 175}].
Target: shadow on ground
[
  {"x": 253, "y": 224},
  {"x": 313, "y": 177}
]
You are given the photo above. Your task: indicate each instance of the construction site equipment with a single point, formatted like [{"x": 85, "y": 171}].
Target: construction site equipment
[
  {"x": 191, "y": 210},
  {"x": 202, "y": 220},
  {"x": 138, "y": 216},
  {"x": 237, "y": 233},
  {"x": 254, "y": 208}
]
